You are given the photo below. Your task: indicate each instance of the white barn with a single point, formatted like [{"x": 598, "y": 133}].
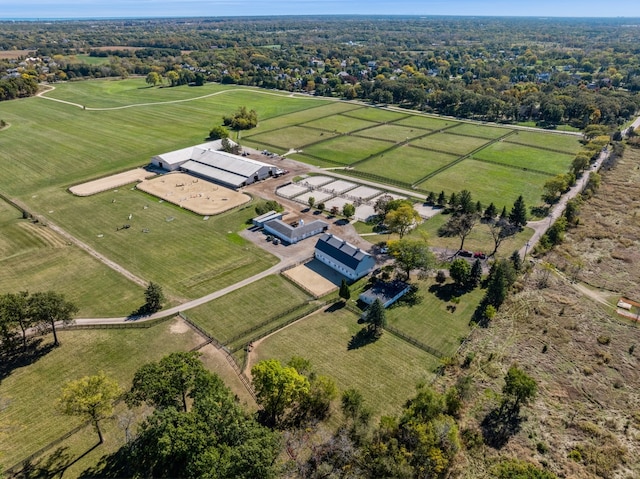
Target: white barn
[
  {"x": 206, "y": 161},
  {"x": 343, "y": 257}
]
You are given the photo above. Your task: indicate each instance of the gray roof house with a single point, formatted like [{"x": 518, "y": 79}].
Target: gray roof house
[
  {"x": 292, "y": 234},
  {"x": 343, "y": 257},
  {"x": 387, "y": 292}
]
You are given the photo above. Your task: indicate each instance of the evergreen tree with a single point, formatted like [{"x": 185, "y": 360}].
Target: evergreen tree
[
  {"x": 153, "y": 298},
  {"x": 475, "y": 276},
  {"x": 376, "y": 317},
  {"x": 516, "y": 261},
  {"x": 518, "y": 214},
  {"x": 344, "y": 293},
  {"x": 490, "y": 212},
  {"x": 442, "y": 199}
]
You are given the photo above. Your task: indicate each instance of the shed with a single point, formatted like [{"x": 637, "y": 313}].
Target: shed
[
  {"x": 268, "y": 216},
  {"x": 292, "y": 234}
]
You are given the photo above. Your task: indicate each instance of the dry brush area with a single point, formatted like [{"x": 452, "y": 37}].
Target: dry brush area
[{"x": 585, "y": 421}]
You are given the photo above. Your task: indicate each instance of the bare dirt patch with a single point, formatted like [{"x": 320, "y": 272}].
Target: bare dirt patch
[
  {"x": 109, "y": 182},
  {"x": 194, "y": 194},
  {"x": 179, "y": 327},
  {"x": 315, "y": 277}
]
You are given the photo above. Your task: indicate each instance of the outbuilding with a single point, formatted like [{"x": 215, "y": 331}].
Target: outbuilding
[
  {"x": 292, "y": 234},
  {"x": 387, "y": 292}
]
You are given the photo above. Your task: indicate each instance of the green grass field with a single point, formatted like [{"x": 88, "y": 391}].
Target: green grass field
[
  {"x": 395, "y": 133},
  {"x": 567, "y": 143},
  {"x": 425, "y": 122},
  {"x": 29, "y": 419},
  {"x": 454, "y": 144},
  {"x": 430, "y": 322},
  {"x": 34, "y": 258},
  {"x": 294, "y": 137},
  {"x": 339, "y": 124},
  {"x": 481, "y": 131},
  {"x": 386, "y": 371},
  {"x": 406, "y": 164},
  {"x": 189, "y": 257},
  {"x": 347, "y": 149},
  {"x": 489, "y": 182},
  {"x": 245, "y": 308},
  {"x": 525, "y": 157},
  {"x": 376, "y": 115}
]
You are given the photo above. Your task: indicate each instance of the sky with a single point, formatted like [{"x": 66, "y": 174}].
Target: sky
[{"x": 46, "y": 9}]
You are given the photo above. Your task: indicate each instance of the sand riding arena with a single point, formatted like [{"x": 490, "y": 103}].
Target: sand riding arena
[{"x": 194, "y": 194}]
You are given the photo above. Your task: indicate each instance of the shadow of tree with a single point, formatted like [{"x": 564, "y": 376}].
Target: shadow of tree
[
  {"x": 52, "y": 465},
  {"x": 500, "y": 425},
  {"x": 113, "y": 465},
  {"x": 14, "y": 356},
  {"x": 335, "y": 307},
  {"x": 445, "y": 292},
  {"x": 362, "y": 338}
]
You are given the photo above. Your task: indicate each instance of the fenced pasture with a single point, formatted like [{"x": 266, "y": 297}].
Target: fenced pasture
[
  {"x": 29, "y": 419},
  {"x": 377, "y": 115},
  {"x": 525, "y": 157},
  {"x": 241, "y": 310},
  {"x": 187, "y": 255},
  {"x": 436, "y": 321},
  {"x": 454, "y": 144},
  {"x": 346, "y": 149},
  {"x": 426, "y": 122},
  {"x": 560, "y": 143},
  {"x": 489, "y": 182},
  {"x": 480, "y": 130},
  {"x": 391, "y": 132},
  {"x": 339, "y": 124},
  {"x": 406, "y": 164},
  {"x": 294, "y": 136},
  {"x": 385, "y": 371},
  {"x": 35, "y": 258}
]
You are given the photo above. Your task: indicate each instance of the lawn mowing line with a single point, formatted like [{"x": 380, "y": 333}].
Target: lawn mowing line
[
  {"x": 431, "y": 149},
  {"x": 523, "y": 168},
  {"x": 541, "y": 147},
  {"x": 462, "y": 158}
]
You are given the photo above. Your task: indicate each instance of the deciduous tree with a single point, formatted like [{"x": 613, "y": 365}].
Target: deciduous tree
[
  {"x": 348, "y": 210},
  {"x": 278, "y": 388},
  {"x": 91, "y": 397},
  {"x": 411, "y": 255},
  {"x": 402, "y": 219},
  {"x": 47, "y": 308}
]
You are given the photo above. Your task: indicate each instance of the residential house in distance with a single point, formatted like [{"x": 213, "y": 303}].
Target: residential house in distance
[{"x": 343, "y": 257}]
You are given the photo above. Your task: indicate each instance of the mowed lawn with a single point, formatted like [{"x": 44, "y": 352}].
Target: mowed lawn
[
  {"x": 480, "y": 131},
  {"x": 339, "y": 124},
  {"x": 385, "y": 371},
  {"x": 291, "y": 137},
  {"x": 478, "y": 240},
  {"x": 34, "y": 258},
  {"x": 188, "y": 256},
  {"x": 426, "y": 122},
  {"x": 525, "y": 157},
  {"x": 240, "y": 310},
  {"x": 454, "y": 144},
  {"x": 377, "y": 115},
  {"x": 489, "y": 182},
  {"x": 391, "y": 132},
  {"x": 405, "y": 163},
  {"x": 347, "y": 149},
  {"x": 430, "y": 322},
  {"x": 567, "y": 143},
  {"x": 29, "y": 419}
]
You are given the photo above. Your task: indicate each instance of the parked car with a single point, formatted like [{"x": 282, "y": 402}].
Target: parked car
[
  {"x": 479, "y": 254},
  {"x": 465, "y": 253},
  {"x": 276, "y": 241}
]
